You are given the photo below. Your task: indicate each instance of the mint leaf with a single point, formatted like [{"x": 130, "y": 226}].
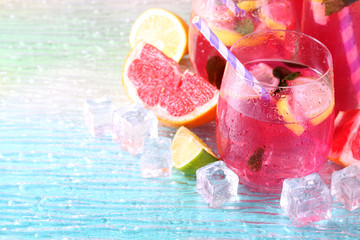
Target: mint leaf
[
  {"x": 215, "y": 67},
  {"x": 334, "y": 6},
  {"x": 291, "y": 76},
  {"x": 281, "y": 72},
  {"x": 255, "y": 161},
  {"x": 244, "y": 26},
  {"x": 284, "y": 75}
]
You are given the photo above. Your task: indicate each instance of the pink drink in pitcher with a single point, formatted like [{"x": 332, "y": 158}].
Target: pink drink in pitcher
[
  {"x": 265, "y": 142},
  {"x": 338, "y": 27},
  {"x": 228, "y": 27}
]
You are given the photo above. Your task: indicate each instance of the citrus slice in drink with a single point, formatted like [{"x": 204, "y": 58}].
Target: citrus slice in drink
[
  {"x": 345, "y": 148},
  {"x": 163, "y": 29},
  {"x": 286, "y": 111},
  {"x": 156, "y": 81},
  {"x": 313, "y": 98},
  {"x": 309, "y": 100},
  {"x": 189, "y": 152},
  {"x": 249, "y": 5},
  {"x": 226, "y": 36}
]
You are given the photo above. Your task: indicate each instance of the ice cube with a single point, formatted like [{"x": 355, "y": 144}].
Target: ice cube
[
  {"x": 306, "y": 199},
  {"x": 345, "y": 187},
  {"x": 98, "y": 116},
  {"x": 131, "y": 125},
  {"x": 156, "y": 159},
  {"x": 264, "y": 74},
  {"x": 216, "y": 183}
]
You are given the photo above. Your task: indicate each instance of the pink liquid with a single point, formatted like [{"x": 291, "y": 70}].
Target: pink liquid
[
  {"x": 340, "y": 32},
  {"x": 254, "y": 141},
  {"x": 205, "y": 59}
]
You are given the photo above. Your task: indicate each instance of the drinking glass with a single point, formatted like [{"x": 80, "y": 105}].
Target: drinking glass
[
  {"x": 338, "y": 27},
  {"x": 229, "y": 27},
  {"x": 266, "y": 141}
]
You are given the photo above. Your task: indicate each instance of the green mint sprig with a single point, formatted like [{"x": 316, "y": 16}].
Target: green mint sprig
[{"x": 284, "y": 75}]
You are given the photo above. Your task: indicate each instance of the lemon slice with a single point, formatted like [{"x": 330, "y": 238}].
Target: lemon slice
[
  {"x": 319, "y": 119},
  {"x": 249, "y": 6},
  {"x": 284, "y": 109},
  {"x": 315, "y": 99},
  {"x": 312, "y": 99},
  {"x": 226, "y": 36},
  {"x": 189, "y": 152},
  {"x": 162, "y": 29},
  {"x": 272, "y": 24}
]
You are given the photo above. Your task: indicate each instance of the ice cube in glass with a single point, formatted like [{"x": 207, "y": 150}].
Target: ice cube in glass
[
  {"x": 156, "y": 158},
  {"x": 131, "y": 125},
  {"x": 306, "y": 199},
  {"x": 216, "y": 183},
  {"x": 345, "y": 187},
  {"x": 98, "y": 116}
]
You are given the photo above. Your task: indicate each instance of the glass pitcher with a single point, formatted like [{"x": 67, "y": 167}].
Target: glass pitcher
[
  {"x": 338, "y": 27},
  {"x": 229, "y": 27}
]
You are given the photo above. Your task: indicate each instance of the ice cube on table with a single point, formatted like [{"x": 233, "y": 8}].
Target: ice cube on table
[
  {"x": 131, "y": 125},
  {"x": 216, "y": 183},
  {"x": 156, "y": 158},
  {"x": 98, "y": 116},
  {"x": 345, "y": 187},
  {"x": 306, "y": 199}
]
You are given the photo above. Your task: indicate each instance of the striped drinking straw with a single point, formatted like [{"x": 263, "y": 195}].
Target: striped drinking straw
[
  {"x": 231, "y": 5},
  {"x": 235, "y": 63},
  {"x": 351, "y": 51}
]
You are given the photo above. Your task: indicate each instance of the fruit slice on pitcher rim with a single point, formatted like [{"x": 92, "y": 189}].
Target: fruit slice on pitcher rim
[
  {"x": 189, "y": 152},
  {"x": 156, "y": 81}
]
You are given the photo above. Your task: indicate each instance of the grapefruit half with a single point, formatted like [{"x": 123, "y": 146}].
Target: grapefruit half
[
  {"x": 156, "y": 81},
  {"x": 345, "y": 149}
]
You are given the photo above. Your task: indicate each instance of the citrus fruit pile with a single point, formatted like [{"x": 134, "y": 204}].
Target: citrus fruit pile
[
  {"x": 345, "y": 149},
  {"x": 152, "y": 77}
]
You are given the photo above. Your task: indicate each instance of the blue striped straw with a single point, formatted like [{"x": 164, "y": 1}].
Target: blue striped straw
[
  {"x": 232, "y": 6},
  {"x": 225, "y": 52}
]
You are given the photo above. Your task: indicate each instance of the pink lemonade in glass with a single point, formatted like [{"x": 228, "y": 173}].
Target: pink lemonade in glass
[
  {"x": 259, "y": 15},
  {"x": 265, "y": 142},
  {"x": 338, "y": 27}
]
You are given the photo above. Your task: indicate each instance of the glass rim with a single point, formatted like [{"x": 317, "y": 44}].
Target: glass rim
[{"x": 263, "y": 32}]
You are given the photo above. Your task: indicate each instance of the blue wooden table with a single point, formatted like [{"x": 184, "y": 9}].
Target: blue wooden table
[{"x": 57, "y": 182}]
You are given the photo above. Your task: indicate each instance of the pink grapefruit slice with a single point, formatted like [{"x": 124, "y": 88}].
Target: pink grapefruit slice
[
  {"x": 155, "y": 80},
  {"x": 345, "y": 149}
]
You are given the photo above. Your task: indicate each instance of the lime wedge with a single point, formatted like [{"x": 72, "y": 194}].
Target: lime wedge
[{"x": 189, "y": 152}]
